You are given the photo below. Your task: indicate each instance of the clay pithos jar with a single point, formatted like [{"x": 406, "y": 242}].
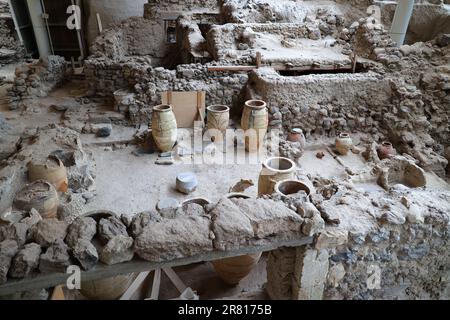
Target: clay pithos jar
[
  {"x": 164, "y": 127},
  {"x": 274, "y": 170},
  {"x": 40, "y": 195},
  {"x": 385, "y": 150},
  {"x": 290, "y": 187},
  {"x": 218, "y": 119},
  {"x": 255, "y": 121},
  {"x": 296, "y": 135},
  {"x": 344, "y": 143},
  {"x": 233, "y": 270},
  {"x": 51, "y": 170}
]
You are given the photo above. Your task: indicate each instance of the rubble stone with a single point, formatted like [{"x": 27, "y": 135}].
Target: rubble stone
[
  {"x": 85, "y": 253},
  {"x": 174, "y": 238},
  {"x": 8, "y": 250},
  {"x": 81, "y": 228},
  {"x": 47, "y": 231},
  {"x": 118, "y": 249},
  {"x": 111, "y": 227},
  {"x": 25, "y": 261},
  {"x": 55, "y": 259}
]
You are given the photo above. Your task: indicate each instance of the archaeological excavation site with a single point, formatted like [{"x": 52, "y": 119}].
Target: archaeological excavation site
[{"x": 224, "y": 150}]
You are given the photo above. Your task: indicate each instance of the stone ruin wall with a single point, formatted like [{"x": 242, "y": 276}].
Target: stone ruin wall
[
  {"x": 323, "y": 104},
  {"x": 36, "y": 79},
  {"x": 182, "y": 6},
  {"x": 105, "y": 77},
  {"x": 390, "y": 247},
  {"x": 10, "y": 48}
]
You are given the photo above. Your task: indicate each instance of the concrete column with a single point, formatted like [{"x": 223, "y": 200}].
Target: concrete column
[
  {"x": 280, "y": 270},
  {"x": 39, "y": 28},
  {"x": 401, "y": 20},
  {"x": 310, "y": 274}
]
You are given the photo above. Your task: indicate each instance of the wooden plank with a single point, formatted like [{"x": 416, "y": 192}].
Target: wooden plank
[
  {"x": 281, "y": 68},
  {"x": 102, "y": 271},
  {"x": 231, "y": 68},
  {"x": 258, "y": 59},
  {"x": 135, "y": 285},
  {"x": 177, "y": 282},
  {"x": 155, "y": 285},
  {"x": 58, "y": 293},
  {"x": 99, "y": 23},
  {"x": 185, "y": 106}
]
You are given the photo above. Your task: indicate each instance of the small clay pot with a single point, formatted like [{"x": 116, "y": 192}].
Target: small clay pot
[
  {"x": 51, "y": 170},
  {"x": 386, "y": 150},
  {"x": 296, "y": 135},
  {"x": 344, "y": 143},
  {"x": 40, "y": 195}
]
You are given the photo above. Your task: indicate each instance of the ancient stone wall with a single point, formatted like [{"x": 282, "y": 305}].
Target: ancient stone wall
[
  {"x": 105, "y": 76},
  {"x": 10, "y": 48},
  {"x": 323, "y": 104},
  {"x": 181, "y": 6},
  {"x": 37, "y": 79},
  {"x": 381, "y": 246}
]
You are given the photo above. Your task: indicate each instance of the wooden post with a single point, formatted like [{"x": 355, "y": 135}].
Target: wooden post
[
  {"x": 156, "y": 284},
  {"x": 258, "y": 59},
  {"x": 99, "y": 23}
]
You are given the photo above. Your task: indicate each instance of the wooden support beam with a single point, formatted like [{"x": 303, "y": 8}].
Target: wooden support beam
[
  {"x": 135, "y": 285},
  {"x": 177, "y": 282},
  {"x": 258, "y": 59},
  {"x": 99, "y": 23},
  {"x": 347, "y": 67},
  {"x": 58, "y": 293},
  {"x": 154, "y": 295},
  {"x": 102, "y": 271}
]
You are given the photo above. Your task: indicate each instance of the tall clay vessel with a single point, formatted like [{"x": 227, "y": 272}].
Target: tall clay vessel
[
  {"x": 233, "y": 270},
  {"x": 255, "y": 121},
  {"x": 52, "y": 170},
  {"x": 274, "y": 170},
  {"x": 107, "y": 289},
  {"x": 218, "y": 119},
  {"x": 164, "y": 127}
]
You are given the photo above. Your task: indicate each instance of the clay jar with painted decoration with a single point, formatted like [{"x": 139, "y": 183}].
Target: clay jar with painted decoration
[
  {"x": 218, "y": 120},
  {"x": 164, "y": 127},
  {"x": 255, "y": 121}
]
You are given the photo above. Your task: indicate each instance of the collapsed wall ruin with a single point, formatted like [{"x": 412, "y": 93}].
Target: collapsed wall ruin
[
  {"x": 10, "y": 48},
  {"x": 325, "y": 68}
]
